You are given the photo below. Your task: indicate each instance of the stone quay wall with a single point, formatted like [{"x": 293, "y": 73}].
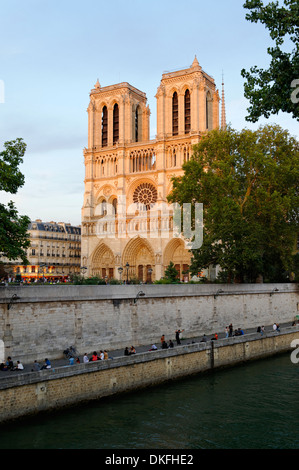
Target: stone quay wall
[
  {"x": 34, "y": 392},
  {"x": 41, "y": 321}
]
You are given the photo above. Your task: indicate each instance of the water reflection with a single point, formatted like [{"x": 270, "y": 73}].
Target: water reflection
[{"x": 249, "y": 406}]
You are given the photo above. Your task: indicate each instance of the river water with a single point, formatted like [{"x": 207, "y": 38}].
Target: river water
[{"x": 252, "y": 406}]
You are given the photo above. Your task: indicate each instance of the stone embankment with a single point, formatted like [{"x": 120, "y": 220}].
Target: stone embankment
[
  {"x": 42, "y": 321},
  {"x": 23, "y": 394}
]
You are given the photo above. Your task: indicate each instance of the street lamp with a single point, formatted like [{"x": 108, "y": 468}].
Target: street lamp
[
  {"x": 150, "y": 274},
  {"x": 274, "y": 290},
  {"x": 127, "y": 268},
  {"x": 120, "y": 270},
  {"x": 43, "y": 265},
  {"x": 140, "y": 294},
  {"x": 219, "y": 291},
  {"x": 13, "y": 299}
]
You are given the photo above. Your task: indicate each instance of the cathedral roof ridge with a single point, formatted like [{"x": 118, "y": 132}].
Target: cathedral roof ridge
[
  {"x": 118, "y": 86},
  {"x": 194, "y": 67}
]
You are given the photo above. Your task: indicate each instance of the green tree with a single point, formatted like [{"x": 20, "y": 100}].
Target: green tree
[
  {"x": 272, "y": 90},
  {"x": 14, "y": 238},
  {"x": 248, "y": 184},
  {"x": 171, "y": 274}
]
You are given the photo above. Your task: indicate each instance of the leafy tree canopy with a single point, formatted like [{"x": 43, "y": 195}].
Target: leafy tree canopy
[
  {"x": 171, "y": 274},
  {"x": 276, "y": 88},
  {"x": 248, "y": 184},
  {"x": 14, "y": 237}
]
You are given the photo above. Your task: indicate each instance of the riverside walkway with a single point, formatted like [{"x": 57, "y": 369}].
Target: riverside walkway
[{"x": 63, "y": 362}]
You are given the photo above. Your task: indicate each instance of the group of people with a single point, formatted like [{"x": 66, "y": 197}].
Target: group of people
[
  {"x": 9, "y": 365},
  {"x": 130, "y": 351},
  {"x": 103, "y": 355}
]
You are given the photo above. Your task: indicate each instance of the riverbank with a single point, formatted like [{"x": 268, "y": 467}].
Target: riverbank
[
  {"x": 27, "y": 393},
  {"x": 39, "y": 322}
]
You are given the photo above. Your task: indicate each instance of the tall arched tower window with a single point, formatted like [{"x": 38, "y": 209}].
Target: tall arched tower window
[
  {"x": 115, "y": 124},
  {"x": 104, "y": 126},
  {"x": 207, "y": 112},
  {"x": 187, "y": 112},
  {"x": 137, "y": 124},
  {"x": 175, "y": 114}
]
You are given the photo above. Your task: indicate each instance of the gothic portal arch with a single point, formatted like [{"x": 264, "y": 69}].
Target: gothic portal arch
[
  {"x": 140, "y": 256},
  {"x": 176, "y": 252},
  {"x": 102, "y": 262}
]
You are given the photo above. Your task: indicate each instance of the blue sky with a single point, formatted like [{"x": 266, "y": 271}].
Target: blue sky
[{"x": 53, "y": 52}]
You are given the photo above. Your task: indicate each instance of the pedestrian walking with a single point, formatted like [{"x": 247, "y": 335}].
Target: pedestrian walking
[{"x": 177, "y": 336}]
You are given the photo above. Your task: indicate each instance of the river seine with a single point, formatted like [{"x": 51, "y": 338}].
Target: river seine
[{"x": 252, "y": 406}]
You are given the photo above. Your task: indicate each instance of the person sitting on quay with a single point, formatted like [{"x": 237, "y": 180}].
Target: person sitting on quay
[
  {"x": 8, "y": 365},
  {"x": 94, "y": 357},
  {"x": 85, "y": 358},
  {"x": 239, "y": 332},
  {"x": 153, "y": 348},
  {"x": 36, "y": 366},
  {"x": 204, "y": 339},
  {"x": 164, "y": 345},
  {"x": 47, "y": 364},
  {"x": 19, "y": 366},
  {"x": 132, "y": 350},
  {"x": 170, "y": 344},
  {"x": 101, "y": 357},
  {"x": 215, "y": 337},
  {"x": 126, "y": 352}
]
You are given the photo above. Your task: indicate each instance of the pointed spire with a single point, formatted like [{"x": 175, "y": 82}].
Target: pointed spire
[
  {"x": 195, "y": 64},
  {"x": 223, "y": 113},
  {"x": 97, "y": 85}
]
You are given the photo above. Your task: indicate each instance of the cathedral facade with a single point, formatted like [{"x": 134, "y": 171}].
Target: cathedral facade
[{"x": 127, "y": 225}]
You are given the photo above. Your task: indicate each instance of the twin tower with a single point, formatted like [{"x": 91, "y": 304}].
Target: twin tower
[{"x": 128, "y": 176}]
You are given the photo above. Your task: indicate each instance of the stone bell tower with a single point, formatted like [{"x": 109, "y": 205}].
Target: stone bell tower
[
  {"x": 187, "y": 103},
  {"x": 117, "y": 114},
  {"x": 123, "y": 166}
]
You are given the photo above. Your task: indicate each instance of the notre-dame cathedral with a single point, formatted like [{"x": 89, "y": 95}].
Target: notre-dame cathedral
[{"x": 127, "y": 174}]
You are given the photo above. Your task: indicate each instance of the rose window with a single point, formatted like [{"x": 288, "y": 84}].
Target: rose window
[{"x": 145, "y": 194}]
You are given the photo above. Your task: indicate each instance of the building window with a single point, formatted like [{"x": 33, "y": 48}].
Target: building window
[
  {"x": 104, "y": 127},
  {"x": 137, "y": 124},
  {"x": 146, "y": 195},
  {"x": 207, "y": 113},
  {"x": 114, "y": 204},
  {"x": 187, "y": 112},
  {"x": 115, "y": 124},
  {"x": 175, "y": 114}
]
